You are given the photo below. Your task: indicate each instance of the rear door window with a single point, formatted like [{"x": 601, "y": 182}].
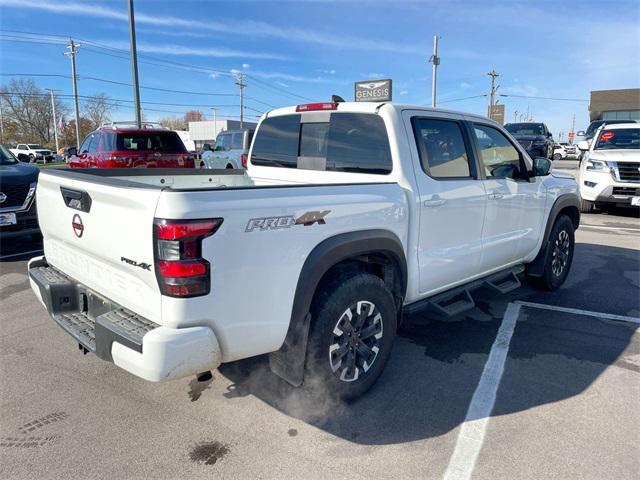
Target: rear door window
[
  {"x": 443, "y": 152},
  {"x": 349, "y": 142},
  {"x": 236, "y": 140},
  {"x": 150, "y": 141}
]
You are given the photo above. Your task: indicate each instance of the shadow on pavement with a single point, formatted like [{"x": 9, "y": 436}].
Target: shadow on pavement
[{"x": 434, "y": 369}]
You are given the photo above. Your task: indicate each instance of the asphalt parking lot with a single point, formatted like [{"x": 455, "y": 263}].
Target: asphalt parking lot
[{"x": 527, "y": 385}]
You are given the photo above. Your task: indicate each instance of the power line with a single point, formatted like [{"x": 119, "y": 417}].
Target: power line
[
  {"x": 544, "y": 98},
  {"x": 91, "y": 97},
  {"x": 124, "y": 55},
  {"x": 463, "y": 98}
]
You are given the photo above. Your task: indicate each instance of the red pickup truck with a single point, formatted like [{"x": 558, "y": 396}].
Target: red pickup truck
[{"x": 117, "y": 146}]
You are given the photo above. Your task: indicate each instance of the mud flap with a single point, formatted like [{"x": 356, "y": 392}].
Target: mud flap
[{"x": 289, "y": 362}]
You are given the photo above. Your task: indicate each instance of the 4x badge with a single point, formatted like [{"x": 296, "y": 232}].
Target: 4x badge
[{"x": 287, "y": 221}]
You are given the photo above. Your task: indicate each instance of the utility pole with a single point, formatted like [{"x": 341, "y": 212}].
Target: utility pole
[
  {"x": 573, "y": 128},
  {"x": 515, "y": 116},
  {"x": 241, "y": 84},
  {"x": 73, "y": 49},
  {"x": 55, "y": 123},
  {"x": 435, "y": 60},
  {"x": 492, "y": 91},
  {"x": 134, "y": 65}
]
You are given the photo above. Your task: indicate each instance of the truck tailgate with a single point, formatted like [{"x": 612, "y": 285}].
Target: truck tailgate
[{"x": 101, "y": 235}]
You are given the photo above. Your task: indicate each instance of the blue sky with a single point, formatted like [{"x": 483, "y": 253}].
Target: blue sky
[{"x": 292, "y": 50}]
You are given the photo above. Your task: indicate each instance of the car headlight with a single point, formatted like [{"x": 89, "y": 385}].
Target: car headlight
[{"x": 597, "y": 166}]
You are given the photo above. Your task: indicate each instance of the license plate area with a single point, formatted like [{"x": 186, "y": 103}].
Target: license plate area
[{"x": 7, "y": 219}]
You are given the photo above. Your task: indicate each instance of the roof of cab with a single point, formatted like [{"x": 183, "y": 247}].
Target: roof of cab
[
  {"x": 618, "y": 126},
  {"x": 374, "y": 107}
]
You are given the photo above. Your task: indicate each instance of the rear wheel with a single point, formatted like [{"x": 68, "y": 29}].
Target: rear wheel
[
  {"x": 354, "y": 325},
  {"x": 229, "y": 166},
  {"x": 559, "y": 255},
  {"x": 557, "y": 156}
]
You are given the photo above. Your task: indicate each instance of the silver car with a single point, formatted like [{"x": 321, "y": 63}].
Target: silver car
[{"x": 231, "y": 150}]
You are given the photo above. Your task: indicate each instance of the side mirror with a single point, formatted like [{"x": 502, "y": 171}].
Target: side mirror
[
  {"x": 549, "y": 134},
  {"x": 583, "y": 145},
  {"x": 206, "y": 147},
  {"x": 72, "y": 152},
  {"x": 541, "y": 167},
  {"x": 581, "y": 133}
]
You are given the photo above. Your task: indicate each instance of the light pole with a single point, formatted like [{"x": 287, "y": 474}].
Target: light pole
[
  {"x": 215, "y": 122},
  {"x": 55, "y": 123}
]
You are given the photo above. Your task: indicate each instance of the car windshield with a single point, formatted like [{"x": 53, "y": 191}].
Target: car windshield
[
  {"x": 525, "y": 128},
  {"x": 35, "y": 146},
  {"x": 6, "y": 157},
  {"x": 619, "y": 139}
]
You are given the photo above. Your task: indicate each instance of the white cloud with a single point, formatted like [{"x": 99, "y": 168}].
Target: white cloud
[
  {"x": 282, "y": 84},
  {"x": 227, "y": 26},
  {"x": 404, "y": 92},
  {"x": 373, "y": 75},
  {"x": 465, "y": 85},
  {"x": 214, "y": 75},
  {"x": 180, "y": 50},
  {"x": 245, "y": 65},
  {"x": 329, "y": 72},
  {"x": 293, "y": 78}
]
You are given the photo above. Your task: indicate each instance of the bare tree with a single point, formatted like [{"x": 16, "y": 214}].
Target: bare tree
[
  {"x": 97, "y": 109},
  {"x": 173, "y": 123},
  {"x": 28, "y": 109},
  {"x": 193, "y": 116}
]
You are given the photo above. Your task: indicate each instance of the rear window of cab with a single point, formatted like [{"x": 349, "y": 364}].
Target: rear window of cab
[{"x": 348, "y": 142}]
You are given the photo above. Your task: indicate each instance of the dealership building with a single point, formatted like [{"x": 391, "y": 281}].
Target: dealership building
[
  {"x": 621, "y": 104},
  {"x": 207, "y": 131}
]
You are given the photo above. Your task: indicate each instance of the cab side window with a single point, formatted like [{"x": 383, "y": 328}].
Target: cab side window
[
  {"x": 498, "y": 157},
  {"x": 443, "y": 152}
]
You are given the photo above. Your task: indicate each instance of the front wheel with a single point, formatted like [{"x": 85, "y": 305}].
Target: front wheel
[
  {"x": 559, "y": 255},
  {"x": 557, "y": 156},
  {"x": 352, "y": 332}
]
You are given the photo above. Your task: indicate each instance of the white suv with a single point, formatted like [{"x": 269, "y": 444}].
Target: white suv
[{"x": 610, "y": 171}]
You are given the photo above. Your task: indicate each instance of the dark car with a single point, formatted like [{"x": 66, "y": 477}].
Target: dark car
[
  {"x": 17, "y": 196},
  {"x": 119, "y": 146},
  {"x": 534, "y": 137}
]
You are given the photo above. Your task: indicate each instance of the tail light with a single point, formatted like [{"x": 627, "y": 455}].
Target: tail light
[
  {"x": 244, "y": 158},
  {"x": 117, "y": 161},
  {"x": 180, "y": 269},
  {"x": 312, "y": 107}
]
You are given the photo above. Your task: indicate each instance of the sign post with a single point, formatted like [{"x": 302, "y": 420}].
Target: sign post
[{"x": 373, "y": 91}]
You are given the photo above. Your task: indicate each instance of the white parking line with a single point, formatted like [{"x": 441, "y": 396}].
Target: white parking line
[
  {"x": 608, "y": 316},
  {"x": 473, "y": 429},
  {"x": 20, "y": 254},
  {"x": 600, "y": 227}
]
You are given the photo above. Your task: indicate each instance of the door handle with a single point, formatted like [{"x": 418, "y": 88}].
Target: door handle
[
  {"x": 495, "y": 196},
  {"x": 434, "y": 202}
]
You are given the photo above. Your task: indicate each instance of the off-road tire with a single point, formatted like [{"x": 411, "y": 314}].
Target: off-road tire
[
  {"x": 558, "y": 256},
  {"x": 329, "y": 335}
]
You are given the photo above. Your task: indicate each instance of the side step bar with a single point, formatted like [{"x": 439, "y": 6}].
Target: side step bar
[{"x": 459, "y": 299}]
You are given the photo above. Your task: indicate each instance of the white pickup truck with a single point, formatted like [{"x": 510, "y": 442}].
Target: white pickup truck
[
  {"x": 32, "y": 152},
  {"x": 348, "y": 215}
]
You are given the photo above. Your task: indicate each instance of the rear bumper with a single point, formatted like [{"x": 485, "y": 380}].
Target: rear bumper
[{"x": 115, "y": 334}]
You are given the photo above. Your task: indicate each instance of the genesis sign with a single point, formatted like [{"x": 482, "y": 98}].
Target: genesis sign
[{"x": 373, "y": 91}]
